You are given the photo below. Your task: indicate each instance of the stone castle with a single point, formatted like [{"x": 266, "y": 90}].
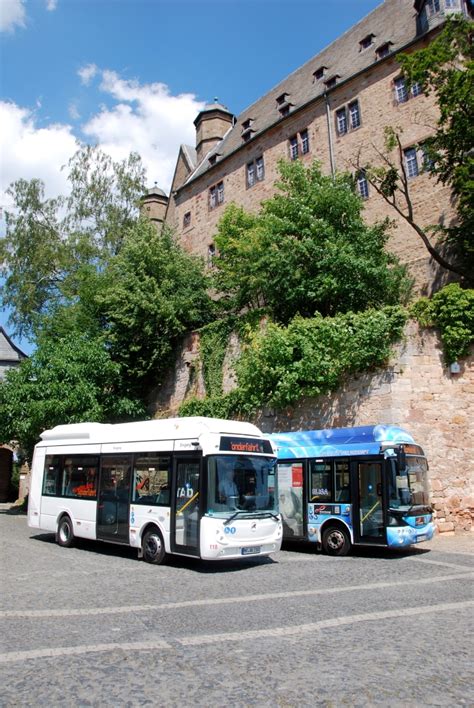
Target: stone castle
[{"x": 334, "y": 109}]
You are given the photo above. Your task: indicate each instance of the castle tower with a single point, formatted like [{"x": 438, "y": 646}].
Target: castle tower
[
  {"x": 153, "y": 205},
  {"x": 212, "y": 123}
]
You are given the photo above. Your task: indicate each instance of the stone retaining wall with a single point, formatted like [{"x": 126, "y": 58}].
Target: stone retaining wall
[{"x": 416, "y": 391}]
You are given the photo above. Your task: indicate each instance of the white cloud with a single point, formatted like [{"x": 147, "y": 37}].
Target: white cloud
[
  {"x": 29, "y": 151},
  {"x": 51, "y": 5},
  {"x": 87, "y": 73},
  {"x": 12, "y": 14},
  {"x": 145, "y": 118},
  {"x": 148, "y": 119}
]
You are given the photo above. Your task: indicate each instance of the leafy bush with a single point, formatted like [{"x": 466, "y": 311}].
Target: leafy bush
[
  {"x": 451, "y": 310},
  {"x": 311, "y": 356}
]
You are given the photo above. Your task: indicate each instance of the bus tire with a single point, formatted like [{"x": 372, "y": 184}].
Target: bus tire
[
  {"x": 65, "y": 533},
  {"x": 336, "y": 541},
  {"x": 153, "y": 547}
]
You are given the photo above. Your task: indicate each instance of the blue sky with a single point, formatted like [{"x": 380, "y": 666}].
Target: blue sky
[{"x": 133, "y": 74}]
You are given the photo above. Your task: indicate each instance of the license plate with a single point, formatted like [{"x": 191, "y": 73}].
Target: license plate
[
  {"x": 249, "y": 550},
  {"x": 421, "y": 538}
]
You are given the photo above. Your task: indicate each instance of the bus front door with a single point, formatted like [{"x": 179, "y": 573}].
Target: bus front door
[
  {"x": 113, "y": 501},
  {"x": 185, "y": 508},
  {"x": 368, "y": 508}
]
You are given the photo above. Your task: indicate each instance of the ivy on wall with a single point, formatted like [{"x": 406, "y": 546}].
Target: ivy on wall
[{"x": 279, "y": 364}]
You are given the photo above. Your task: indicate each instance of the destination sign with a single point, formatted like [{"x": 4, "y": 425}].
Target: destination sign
[{"x": 246, "y": 445}]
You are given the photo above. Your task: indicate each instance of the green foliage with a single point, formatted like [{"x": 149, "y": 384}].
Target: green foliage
[
  {"x": 307, "y": 251},
  {"x": 51, "y": 244},
  {"x": 66, "y": 380},
  {"x": 451, "y": 310},
  {"x": 312, "y": 356},
  {"x": 149, "y": 295},
  {"x": 307, "y": 358},
  {"x": 446, "y": 68},
  {"x": 214, "y": 339}
]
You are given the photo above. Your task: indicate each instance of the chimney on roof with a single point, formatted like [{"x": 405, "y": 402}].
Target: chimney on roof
[{"x": 212, "y": 123}]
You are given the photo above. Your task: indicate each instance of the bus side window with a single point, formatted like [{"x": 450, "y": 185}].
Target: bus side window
[
  {"x": 321, "y": 481},
  {"x": 151, "y": 479},
  {"x": 343, "y": 490}
]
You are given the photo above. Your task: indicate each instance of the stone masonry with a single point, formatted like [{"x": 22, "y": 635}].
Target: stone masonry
[{"x": 416, "y": 390}]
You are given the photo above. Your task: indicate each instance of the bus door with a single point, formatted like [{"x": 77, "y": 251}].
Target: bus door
[
  {"x": 185, "y": 507},
  {"x": 113, "y": 501},
  {"x": 368, "y": 516}
]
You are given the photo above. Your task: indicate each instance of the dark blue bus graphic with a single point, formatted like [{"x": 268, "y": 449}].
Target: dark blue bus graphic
[{"x": 353, "y": 486}]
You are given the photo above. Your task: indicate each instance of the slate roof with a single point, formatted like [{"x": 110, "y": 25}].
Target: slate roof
[{"x": 393, "y": 21}]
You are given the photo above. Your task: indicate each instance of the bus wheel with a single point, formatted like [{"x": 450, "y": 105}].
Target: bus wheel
[
  {"x": 336, "y": 541},
  {"x": 153, "y": 548},
  {"x": 65, "y": 534}
]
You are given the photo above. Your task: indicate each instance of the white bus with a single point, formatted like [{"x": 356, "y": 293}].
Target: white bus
[{"x": 198, "y": 487}]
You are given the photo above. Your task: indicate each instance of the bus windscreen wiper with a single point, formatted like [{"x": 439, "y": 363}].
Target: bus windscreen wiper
[{"x": 252, "y": 515}]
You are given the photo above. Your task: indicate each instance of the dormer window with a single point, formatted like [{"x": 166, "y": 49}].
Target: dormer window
[
  {"x": 247, "y": 129},
  {"x": 320, "y": 73},
  {"x": 384, "y": 50},
  {"x": 332, "y": 81},
  {"x": 282, "y": 99},
  {"x": 366, "y": 42},
  {"x": 283, "y": 104}
]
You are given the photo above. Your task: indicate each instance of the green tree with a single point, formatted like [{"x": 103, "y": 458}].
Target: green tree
[
  {"x": 66, "y": 380},
  {"x": 51, "y": 242},
  {"x": 444, "y": 68},
  {"x": 150, "y": 294},
  {"x": 307, "y": 251}
]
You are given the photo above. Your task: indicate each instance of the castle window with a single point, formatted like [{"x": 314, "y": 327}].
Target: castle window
[
  {"x": 213, "y": 159},
  {"x": 187, "y": 219},
  {"x": 255, "y": 171},
  {"x": 282, "y": 99},
  {"x": 432, "y": 6},
  {"x": 348, "y": 118},
  {"x": 216, "y": 195},
  {"x": 304, "y": 137},
  {"x": 294, "y": 147},
  {"x": 411, "y": 162},
  {"x": 341, "y": 121},
  {"x": 299, "y": 144},
  {"x": 362, "y": 184},
  {"x": 320, "y": 73},
  {"x": 401, "y": 91},
  {"x": 366, "y": 42},
  {"x": 354, "y": 115}
]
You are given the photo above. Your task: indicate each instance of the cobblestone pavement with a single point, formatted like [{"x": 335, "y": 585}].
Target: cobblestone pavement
[{"x": 93, "y": 626}]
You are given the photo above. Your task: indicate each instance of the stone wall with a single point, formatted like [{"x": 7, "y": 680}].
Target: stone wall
[{"x": 416, "y": 391}]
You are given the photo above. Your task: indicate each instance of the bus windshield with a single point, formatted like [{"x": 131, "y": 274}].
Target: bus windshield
[
  {"x": 409, "y": 486},
  {"x": 238, "y": 483}
]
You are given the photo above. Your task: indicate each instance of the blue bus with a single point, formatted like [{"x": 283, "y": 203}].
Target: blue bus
[{"x": 363, "y": 486}]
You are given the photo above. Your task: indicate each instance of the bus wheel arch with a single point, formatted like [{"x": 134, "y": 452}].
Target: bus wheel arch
[
  {"x": 65, "y": 531},
  {"x": 335, "y": 538},
  {"x": 152, "y": 548}
]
